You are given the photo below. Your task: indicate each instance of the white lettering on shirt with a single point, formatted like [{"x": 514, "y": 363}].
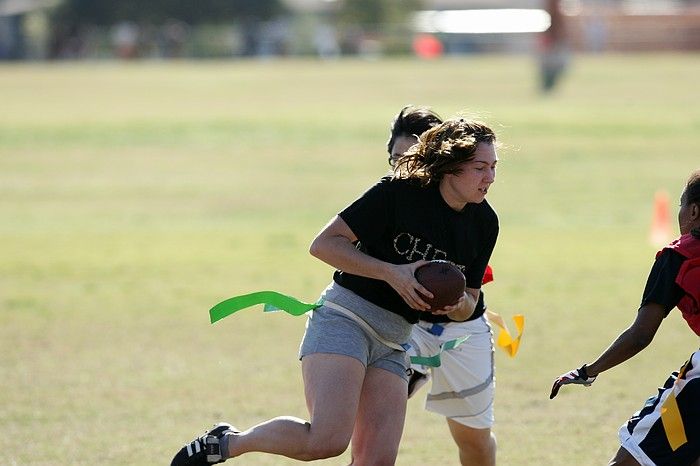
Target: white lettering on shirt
[{"x": 414, "y": 248}]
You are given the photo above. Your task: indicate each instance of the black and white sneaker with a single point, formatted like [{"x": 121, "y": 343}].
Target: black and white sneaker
[{"x": 203, "y": 450}]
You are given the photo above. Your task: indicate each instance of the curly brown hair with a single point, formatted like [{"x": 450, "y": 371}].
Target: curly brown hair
[{"x": 442, "y": 149}]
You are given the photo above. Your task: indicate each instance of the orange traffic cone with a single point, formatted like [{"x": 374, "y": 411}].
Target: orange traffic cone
[{"x": 660, "y": 233}]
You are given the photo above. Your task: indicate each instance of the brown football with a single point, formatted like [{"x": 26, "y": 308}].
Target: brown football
[{"x": 444, "y": 280}]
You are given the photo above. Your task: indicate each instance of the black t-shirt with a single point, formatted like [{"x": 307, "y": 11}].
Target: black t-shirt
[
  {"x": 400, "y": 221},
  {"x": 661, "y": 287}
]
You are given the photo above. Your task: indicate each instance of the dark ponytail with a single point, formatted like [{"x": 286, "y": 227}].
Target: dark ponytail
[
  {"x": 411, "y": 121},
  {"x": 692, "y": 189}
]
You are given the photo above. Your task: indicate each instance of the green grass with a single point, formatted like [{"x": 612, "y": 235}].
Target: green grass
[{"x": 134, "y": 197}]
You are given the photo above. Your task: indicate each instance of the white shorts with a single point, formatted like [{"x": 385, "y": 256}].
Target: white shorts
[
  {"x": 645, "y": 437},
  {"x": 463, "y": 386}
]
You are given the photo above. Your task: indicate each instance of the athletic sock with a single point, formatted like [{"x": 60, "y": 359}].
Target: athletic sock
[{"x": 223, "y": 445}]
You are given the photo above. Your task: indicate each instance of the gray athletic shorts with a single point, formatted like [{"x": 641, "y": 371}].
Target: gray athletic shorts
[{"x": 329, "y": 331}]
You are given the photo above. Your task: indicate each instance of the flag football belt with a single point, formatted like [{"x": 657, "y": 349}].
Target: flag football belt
[
  {"x": 504, "y": 340},
  {"x": 365, "y": 326},
  {"x": 275, "y": 301}
]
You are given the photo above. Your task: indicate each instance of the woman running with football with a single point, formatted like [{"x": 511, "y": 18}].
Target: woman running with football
[
  {"x": 462, "y": 387},
  {"x": 666, "y": 431},
  {"x": 354, "y": 366}
]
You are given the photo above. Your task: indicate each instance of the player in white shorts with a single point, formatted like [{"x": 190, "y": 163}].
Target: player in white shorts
[{"x": 463, "y": 386}]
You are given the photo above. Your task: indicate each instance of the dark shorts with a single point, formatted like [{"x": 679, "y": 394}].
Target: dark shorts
[{"x": 666, "y": 431}]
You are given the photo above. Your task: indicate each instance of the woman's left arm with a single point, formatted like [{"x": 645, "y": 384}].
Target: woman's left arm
[{"x": 630, "y": 342}]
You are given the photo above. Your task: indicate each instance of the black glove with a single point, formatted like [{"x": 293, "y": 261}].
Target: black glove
[{"x": 576, "y": 376}]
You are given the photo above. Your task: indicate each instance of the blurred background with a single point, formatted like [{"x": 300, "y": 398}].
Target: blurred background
[{"x": 162, "y": 29}]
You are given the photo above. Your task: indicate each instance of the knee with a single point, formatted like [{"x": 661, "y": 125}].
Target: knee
[
  {"x": 378, "y": 451},
  {"x": 373, "y": 457},
  {"x": 327, "y": 447},
  {"x": 623, "y": 458},
  {"x": 483, "y": 444},
  {"x": 480, "y": 449},
  {"x": 374, "y": 460}
]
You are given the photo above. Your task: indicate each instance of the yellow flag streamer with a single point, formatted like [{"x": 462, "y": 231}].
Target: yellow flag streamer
[
  {"x": 671, "y": 416},
  {"x": 504, "y": 340},
  {"x": 673, "y": 423}
]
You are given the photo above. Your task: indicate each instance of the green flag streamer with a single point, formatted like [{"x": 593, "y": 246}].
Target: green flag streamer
[
  {"x": 434, "y": 360},
  {"x": 270, "y": 298},
  {"x": 274, "y": 301}
]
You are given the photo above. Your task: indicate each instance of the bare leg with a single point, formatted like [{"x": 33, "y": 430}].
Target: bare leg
[
  {"x": 380, "y": 419},
  {"x": 477, "y": 447},
  {"x": 333, "y": 384},
  {"x": 623, "y": 458}
]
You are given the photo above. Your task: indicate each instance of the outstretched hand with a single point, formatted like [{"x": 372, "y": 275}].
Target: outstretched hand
[{"x": 577, "y": 376}]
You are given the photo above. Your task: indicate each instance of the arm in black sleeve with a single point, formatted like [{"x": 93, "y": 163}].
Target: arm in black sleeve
[
  {"x": 661, "y": 294},
  {"x": 661, "y": 286}
]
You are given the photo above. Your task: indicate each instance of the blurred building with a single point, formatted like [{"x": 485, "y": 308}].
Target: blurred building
[
  {"x": 15, "y": 40},
  {"x": 317, "y": 27},
  {"x": 591, "y": 25},
  {"x": 634, "y": 25},
  {"x": 482, "y": 26}
]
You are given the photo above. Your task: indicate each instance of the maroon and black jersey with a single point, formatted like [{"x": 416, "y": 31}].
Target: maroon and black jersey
[{"x": 674, "y": 280}]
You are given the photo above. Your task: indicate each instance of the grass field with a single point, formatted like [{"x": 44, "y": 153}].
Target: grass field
[{"x": 135, "y": 196}]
